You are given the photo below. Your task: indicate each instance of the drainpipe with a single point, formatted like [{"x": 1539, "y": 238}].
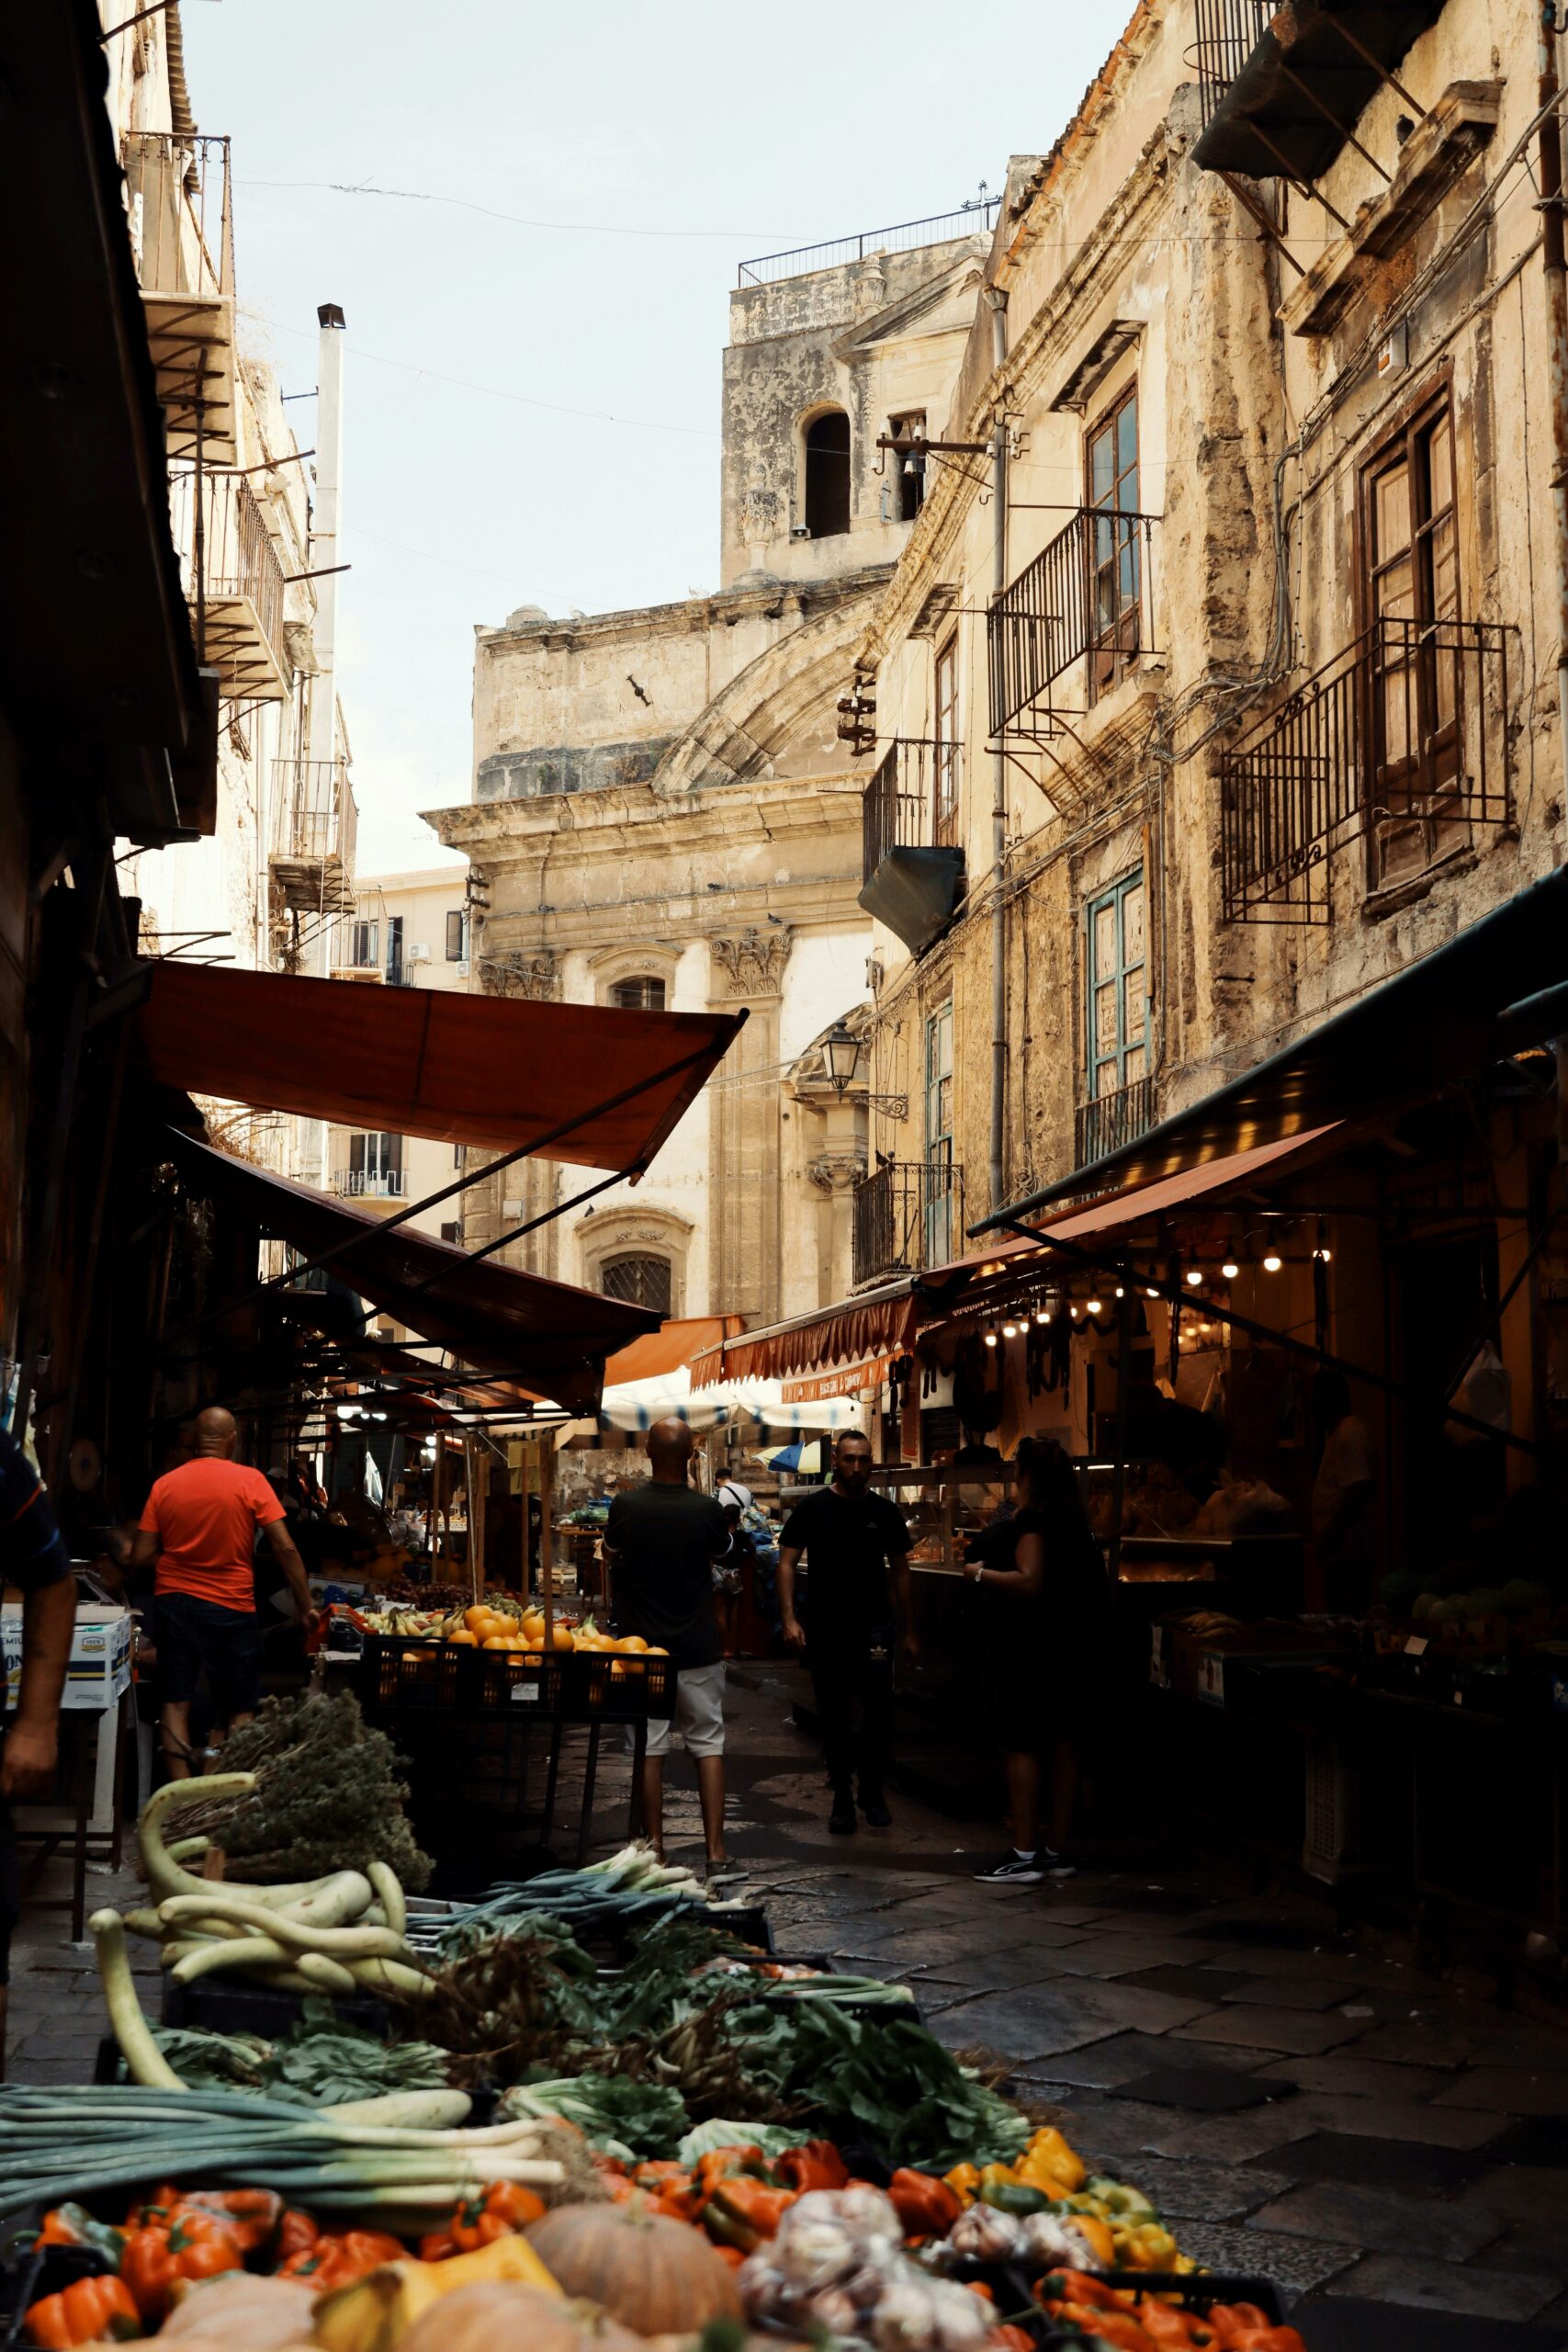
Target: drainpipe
[
  {"x": 325, "y": 544},
  {"x": 1552, "y": 241},
  {"x": 998, "y": 302}
]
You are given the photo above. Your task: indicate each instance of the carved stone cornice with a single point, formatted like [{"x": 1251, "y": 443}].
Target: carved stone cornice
[
  {"x": 751, "y": 962},
  {"x": 536, "y": 977},
  {"x": 835, "y": 1171}
]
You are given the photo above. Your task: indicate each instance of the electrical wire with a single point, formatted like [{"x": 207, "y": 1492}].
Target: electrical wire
[{"x": 516, "y": 220}]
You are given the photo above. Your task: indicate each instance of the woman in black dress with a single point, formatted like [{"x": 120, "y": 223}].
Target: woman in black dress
[{"x": 1045, "y": 1632}]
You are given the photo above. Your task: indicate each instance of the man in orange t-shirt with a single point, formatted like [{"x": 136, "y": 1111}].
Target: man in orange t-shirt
[{"x": 199, "y": 1525}]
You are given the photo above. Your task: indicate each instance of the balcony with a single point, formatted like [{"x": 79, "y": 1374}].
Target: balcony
[
  {"x": 1281, "y": 89},
  {"x": 909, "y": 1217},
  {"x": 371, "y": 1183},
  {"x": 233, "y": 584},
  {"x": 182, "y": 242},
  {"x": 1073, "y": 623},
  {"x": 314, "y": 823},
  {"x": 1114, "y": 1120},
  {"x": 912, "y": 863},
  {"x": 1400, "y": 740}
]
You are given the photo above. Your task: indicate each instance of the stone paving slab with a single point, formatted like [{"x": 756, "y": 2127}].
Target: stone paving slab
[
  {"x": 1386, "y": 2219},
  {"x": 1105, "y": 2065},
  {"x": 1447, "y": 2287},
  {"x": 1296, "y": 2032},
  {"x": 1510, "y": 2089},
  {"x": 1361, "y": 2078},
  {"x": 1295, "y": 2263},
  {"x": 1199, "y": 2192},
  {"x": 1286, "y": 1991},
  {"x": 1388, "y": 2119},
  {"x": 1063, "y": 2016}
]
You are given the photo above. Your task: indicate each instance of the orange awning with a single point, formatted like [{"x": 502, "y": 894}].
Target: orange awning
[
  {"x": 551, "y": 1335},
  {"x": 606, "y": 1086},
  {"x": 881, "y": 1323},
  {"x": 671, "y": 1348}
]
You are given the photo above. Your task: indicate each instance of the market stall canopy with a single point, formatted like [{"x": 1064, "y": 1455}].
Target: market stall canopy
[
  {"x": 671, "y": 1348},
  {"x": 742, "y": 1404},
  {"x": 493, "y": 1316},
  {"x": 584, "y": 1083},
  {"x": 880, "y": 1323},
  {"x": 1442, "y": 1021}
]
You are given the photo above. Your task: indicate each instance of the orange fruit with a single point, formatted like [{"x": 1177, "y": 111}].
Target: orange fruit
[
  {"x": 463, "y": 1641},
  {"x": 635, "y": 1641},
  {"x": 474, "y": 1618},
  {"x": 654, "y": 1651},
  {"x": 495, "y": 1642},
  {"x": 561, "y": 1639}
]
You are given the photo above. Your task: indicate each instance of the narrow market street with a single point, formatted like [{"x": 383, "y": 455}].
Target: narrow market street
[{"x": 1295, "y": 2103}]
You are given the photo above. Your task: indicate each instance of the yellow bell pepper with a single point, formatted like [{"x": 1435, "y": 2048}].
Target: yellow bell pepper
[
  {"x": 1049, "y": 2152},
  {"x": 376, "y": 2312},
  {"x": 1147, "y": 2248},
  {"x": 1099, "y": 2236},
  {"x": 965, "y": 2181}
]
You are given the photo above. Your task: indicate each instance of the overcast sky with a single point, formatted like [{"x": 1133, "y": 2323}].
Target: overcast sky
[{"x": 643, "y": 150}]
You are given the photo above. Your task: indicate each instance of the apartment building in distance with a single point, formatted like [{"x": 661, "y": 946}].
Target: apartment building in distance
[
  {"x": 406, "y": 931},
  {"x": 665, "y": 808}
]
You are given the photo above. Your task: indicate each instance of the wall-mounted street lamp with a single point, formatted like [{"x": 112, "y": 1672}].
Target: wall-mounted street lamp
[{"x": 841, "y": 1051}]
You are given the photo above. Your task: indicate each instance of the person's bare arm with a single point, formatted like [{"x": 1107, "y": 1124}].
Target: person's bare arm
[
  {"x": 794, "y": 1632},
  {"x": 286, "y": 1552},
  {"x": 1026, "y": 1578},
  {"x": 903, "y": 1594},
  {"x": 142, "y": 1551},
  {"x": 32, "y": 1739}
]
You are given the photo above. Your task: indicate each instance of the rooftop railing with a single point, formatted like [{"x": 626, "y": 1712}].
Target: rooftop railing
[{"x": 974, "y": 219}]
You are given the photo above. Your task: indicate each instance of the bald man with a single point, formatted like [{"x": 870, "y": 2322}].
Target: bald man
[
  {"x": 661, "y": 1541},
  {"x": 199, "y": 1526}
]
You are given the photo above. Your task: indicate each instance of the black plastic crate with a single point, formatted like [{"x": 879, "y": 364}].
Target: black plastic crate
[
  {"x": 613, "y": 1686},
  {"x": 397, "y": 1672},
  {"x": 1195, "y": 2290},
  {"x": 228, "y": 2005}
]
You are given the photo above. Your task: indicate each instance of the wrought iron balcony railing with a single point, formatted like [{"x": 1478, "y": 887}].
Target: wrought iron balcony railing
[
  {"x": 1086, "y": 599},
  {"x": 177, "y": 199},
  {"x": 911, "y": 800},
  {"x": 233, "y": 582},
  {"x": 1228, "y": 33},
  {"x": 371, "y": 1183},
  {"x": 1400, "y": 740},
  {"x": 314, "y": 815},
  {"x": 909, "y": 1217},
  {"x": 1113, "y": 1120}
]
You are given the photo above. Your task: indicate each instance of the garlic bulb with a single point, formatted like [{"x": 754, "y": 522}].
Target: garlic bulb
[
  {"x": 1051, "y": 2237},
  {"x": 918, "y": 2315},
  {"x": 984, "y": 2234}
]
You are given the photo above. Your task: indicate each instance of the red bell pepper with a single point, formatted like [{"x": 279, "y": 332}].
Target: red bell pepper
[
  {"x": 814, "y": 2165},
  {"x": 339, "y": 2261},
  {"x": 84, "y": 2312},
  {"x": 925, "y": 2205}
]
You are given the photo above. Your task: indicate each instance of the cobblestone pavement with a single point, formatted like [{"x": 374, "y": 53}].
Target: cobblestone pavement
[{"x": 1301, "y": 2104}]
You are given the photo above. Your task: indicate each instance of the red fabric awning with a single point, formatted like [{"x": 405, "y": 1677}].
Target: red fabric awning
[
  {"x": 469, "y": 1069},
  {"x": 1211, "y": 1183},
  {"x": 882, "y": 1323},
  {"x": 671, "y": 1348},
  {"x": 547, "y": 1333}
]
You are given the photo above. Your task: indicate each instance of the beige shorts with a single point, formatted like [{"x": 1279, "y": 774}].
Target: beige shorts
[{"x": 699, "y": 1713}]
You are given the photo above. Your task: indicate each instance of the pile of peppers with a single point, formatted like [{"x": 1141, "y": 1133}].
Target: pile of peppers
[
  {"x": 1127, "y": 2322},
  {"x": 179, "y": 2237},
  {"x": 1118, "y": 2221},
  {"x": 737, "y": 2195}
]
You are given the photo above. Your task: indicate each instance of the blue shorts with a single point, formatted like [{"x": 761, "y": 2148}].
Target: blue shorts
[{"x": 196, "y": 1637}]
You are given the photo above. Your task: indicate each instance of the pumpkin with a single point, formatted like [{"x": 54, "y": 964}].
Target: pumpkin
[
  {"x": 250, "y": 2314},
  {"x": 493, "y": 2315},
  {"x": 654, "y": 2275}
]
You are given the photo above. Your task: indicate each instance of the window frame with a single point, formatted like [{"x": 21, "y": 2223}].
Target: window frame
[
  {"x": 909, "y": 424},
  {"x": 366, "y": 931},
  {"x": 459, "y": 916},
  {"x": 937, "y": 1047},
  {"x": 640, "y": 1257},
  {"x": 645, "y": 981},
  {"x": 1412, "y": 788},
  {"x": 947, "y": 746},
  {"x": 808, "y": 425},
  {"x": 396, "y": 961},
  {"x": 1113, "y": 553},
  {"x": 1116, "y": 895}
]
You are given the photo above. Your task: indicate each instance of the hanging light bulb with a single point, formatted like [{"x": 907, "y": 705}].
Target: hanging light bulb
[
  {"x": 990, "y": 1339},
  {"x": 1194, "y": 1277},
  {"x": 1272, "y": 1262},
  {"x": 1230, "y": 1270},
  {"x": 1073, "y": 1313},
  {"x": 1119, "y": 1292},
  {"x": 1322, "y": 1255},
  {"x": 1153, "y": 1292},
  {"x": 1010, "y": 1331},
  {"x": 1092, "y": 1305},
  {"x": 1042, "y": 1315}
]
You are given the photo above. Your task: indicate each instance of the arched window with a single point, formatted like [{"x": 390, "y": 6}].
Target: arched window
[
  {"x": 827, "y": 475},
  {"x": 639, "y": 1280},
  {"x": 645, "y": 993}
]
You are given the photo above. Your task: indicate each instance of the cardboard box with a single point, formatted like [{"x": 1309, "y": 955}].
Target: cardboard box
[{"x": 100, "y": 1670}]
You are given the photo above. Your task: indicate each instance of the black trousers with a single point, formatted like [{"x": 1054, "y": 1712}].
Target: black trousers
[{"x": 852, "y": 1669}]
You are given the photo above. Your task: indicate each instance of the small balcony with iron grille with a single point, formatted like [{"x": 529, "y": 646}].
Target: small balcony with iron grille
[
  {"x": 233, "y": 584},
  {"x": 1112, "y": 1121},
  {"x": 1075, "y": 623},
  {"x": 371, "y": 1183},
  {"x": 314, "y": 823},
  {"x": 1281, "y": 89},
  {"x": 908, "y": 1215},
  {"x": 1400, "y": 743},
  {"x": 912, "y": 859},
  {"x": 177, "y": 205}
]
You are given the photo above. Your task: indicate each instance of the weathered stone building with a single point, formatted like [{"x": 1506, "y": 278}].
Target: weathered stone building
[
  {"x": 664, "y": 811},
  {"x": 1242, "y": 695}
]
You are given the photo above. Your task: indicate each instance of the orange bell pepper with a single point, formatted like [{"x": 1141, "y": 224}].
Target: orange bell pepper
[
  {"x": 816, "y": 2165},
  {"x": 926, "y": 2206},
  {"x": 335, "y": 2261},
  {"x": 84, "y": 2312},
  {"x": 163, "y": 2255}
]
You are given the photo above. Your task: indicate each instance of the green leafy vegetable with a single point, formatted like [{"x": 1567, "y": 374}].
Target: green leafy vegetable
[
  {"x": 623, "y": 2119},
  {"x": 320, "y": 2062},
  {"x": 704, "y": 2138}
]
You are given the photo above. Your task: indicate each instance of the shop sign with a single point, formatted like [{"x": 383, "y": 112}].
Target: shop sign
[
  {"x": 858, "y": 1380},
  {"x": 1210, "y": 1679}
]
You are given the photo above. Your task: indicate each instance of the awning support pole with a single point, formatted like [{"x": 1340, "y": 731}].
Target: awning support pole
[{"x": 1170, "y": 1292}]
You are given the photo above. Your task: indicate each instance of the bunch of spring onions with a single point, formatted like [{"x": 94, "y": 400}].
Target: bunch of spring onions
[
  {"x": 631, "y": 1886},
  {"x": 78, "y": 2141}
]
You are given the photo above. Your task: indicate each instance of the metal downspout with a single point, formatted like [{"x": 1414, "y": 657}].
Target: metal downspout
[
  {"x": 999, "y": 301},
  {"x": 1556, "y": 268}
]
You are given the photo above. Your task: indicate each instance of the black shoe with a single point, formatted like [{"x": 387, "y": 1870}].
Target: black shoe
[
  {"x": 842, "y": 1820},
  {"x": 1014, "y": 1870},
  {"x": 873, "y": 1804},
  {"x": 1055, "y": 1865}
]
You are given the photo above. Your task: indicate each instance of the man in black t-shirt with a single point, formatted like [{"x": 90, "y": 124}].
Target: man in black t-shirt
[
  {"x": 850, "y": 1538},
  {"x": 661, "y": 1541}
]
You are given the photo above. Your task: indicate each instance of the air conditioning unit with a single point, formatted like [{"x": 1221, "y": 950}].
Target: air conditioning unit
[
  {"x": 463, "y": 967},
  {"x": 418, "y": 952}
]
